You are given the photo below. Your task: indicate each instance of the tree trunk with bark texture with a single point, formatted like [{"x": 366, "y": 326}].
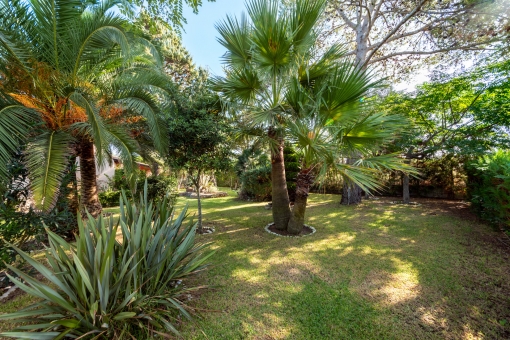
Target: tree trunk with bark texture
[
  {"x": 303, "y": 182},
  {"x": 281, "y": 208},
  {"x": 351, "y": 193},
  {"x": 89, "y": 191},
  {"x": 406, "y": 197}
]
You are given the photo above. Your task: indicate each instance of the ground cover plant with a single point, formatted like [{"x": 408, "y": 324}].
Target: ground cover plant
[{"x": 375, "y": 271}]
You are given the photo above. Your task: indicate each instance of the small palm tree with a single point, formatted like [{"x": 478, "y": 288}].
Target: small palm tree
[{"x": 73, "y": 79}]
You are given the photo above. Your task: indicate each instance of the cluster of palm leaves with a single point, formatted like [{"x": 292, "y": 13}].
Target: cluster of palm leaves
[
  {"x": 73, "y": 78},
  {"x": 280, "y": 81},
  {"x": 117, "y": 280}
]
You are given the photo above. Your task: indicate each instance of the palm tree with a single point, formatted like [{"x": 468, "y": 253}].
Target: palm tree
[
  {"x": 326, "y": 134},
  {"x": 268, "y": 53},
  {"x": 73, "y": 78}
]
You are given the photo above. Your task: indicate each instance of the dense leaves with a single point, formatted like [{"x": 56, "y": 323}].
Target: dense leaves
[{"x": 489, "y": 188}]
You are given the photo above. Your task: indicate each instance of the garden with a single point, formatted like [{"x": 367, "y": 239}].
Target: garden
[{"x": 299, "y": 192}]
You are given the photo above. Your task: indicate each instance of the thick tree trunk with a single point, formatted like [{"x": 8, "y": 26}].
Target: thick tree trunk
[
  {"x": 89, "y": 191},
  {"x": 303, "y": 182},
  {"x": 351, "y": 193},
  {"x": 406, "y": 198},
  {"x": 281, "y": 208}
]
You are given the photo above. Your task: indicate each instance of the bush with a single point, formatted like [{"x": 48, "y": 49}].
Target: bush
[
  {"x": 159, "y": 187},
  {"x": 489, "y": 188},
  {"x": 19, "y": 223},
  {"x": 109, "y": 198},
  {"x": 256, "y": 184},
  {"x": 107, "y": 289}
]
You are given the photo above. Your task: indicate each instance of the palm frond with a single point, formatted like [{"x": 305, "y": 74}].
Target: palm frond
[
  {"x": 46, "y": 160},
  {"x": 240, "y": 84},
  {"x": 304, "y": 17},
  {"x": 96, "y": 126},
  {"x": 235, "y": 37},
  {"x": 125, "y": 145},
  {"x": 15, "y": 123}
]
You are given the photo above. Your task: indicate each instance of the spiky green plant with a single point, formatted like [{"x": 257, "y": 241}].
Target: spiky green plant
[{"x": 113, "y": 281}]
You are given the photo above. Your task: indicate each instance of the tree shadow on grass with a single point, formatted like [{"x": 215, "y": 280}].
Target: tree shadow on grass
[{"x": 372, "y": 272}]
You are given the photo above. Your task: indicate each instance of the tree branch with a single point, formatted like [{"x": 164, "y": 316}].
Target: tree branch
[
  {"x": 395, "y": 30},
  {"x": 346, "y": 19},
  {"x": 471, "y": 47}
]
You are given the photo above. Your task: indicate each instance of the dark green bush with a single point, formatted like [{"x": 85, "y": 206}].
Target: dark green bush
[
  {"x": 489, "y": 188},
  {"x": 109, "y": 198},
  {"x": 104, "y": 289},
  {"x": 159, "y": 187},
  {"x": 19, "y": 223},
  {"x": 256, "y": 184}
]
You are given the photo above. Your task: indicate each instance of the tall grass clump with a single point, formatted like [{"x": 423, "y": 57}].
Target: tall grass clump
[{"x": 118, "y": 280}]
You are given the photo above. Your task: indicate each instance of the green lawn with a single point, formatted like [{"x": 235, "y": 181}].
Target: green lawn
[{"x": 375, "y": 271}]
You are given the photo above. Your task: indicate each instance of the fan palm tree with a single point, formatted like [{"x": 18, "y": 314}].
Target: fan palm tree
[
  {"x": 327, "y": 133},
  {"x": 73, "y": 78},
  {"x": 268, "y": 52}
]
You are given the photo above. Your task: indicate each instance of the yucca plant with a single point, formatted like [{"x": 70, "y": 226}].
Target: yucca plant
[{"x": 112, "y": 284}]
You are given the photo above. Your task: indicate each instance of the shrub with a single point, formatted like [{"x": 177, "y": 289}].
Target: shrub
[
  {"x": 489, "y": 188},
  {"x": 256, "y": 184},
  {"x": 109, "y": 198},
  {"x": 20, "y": 223},
  {"x": 104, "y": 288},
  {"x": 159, "y": 187}
]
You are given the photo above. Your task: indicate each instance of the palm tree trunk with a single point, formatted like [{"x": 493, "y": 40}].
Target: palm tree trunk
[
  {"x": 351, "y": 192},
  {"x": 89, "y": 192},
  {"x": 303, "y": 182},
  {"x": 280, "y": 195}
]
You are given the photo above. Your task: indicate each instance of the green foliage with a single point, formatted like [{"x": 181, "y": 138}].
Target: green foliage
[
  {"x": 169, "y": 10},
  {"x": 198, "y": 136},
  {"x": 489, "y": 187},
  {"x": 159, "y": 187},
  {"x": 108, "y": 289},
  {"x": 109, "y": 198},
  {"x": 19, "y": 222},
  {"x": 253, "y": 169},
  {"x": 462, "y": 115},
  {"x": 256, "y": 184}
]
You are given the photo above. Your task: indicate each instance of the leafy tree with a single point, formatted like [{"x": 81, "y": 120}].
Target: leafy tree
[
  {"x": 168, "y": 10},
  {"x": 72, "y": 67},
  {"x": 463, "y": 116},
  {"x": 198, "y": 140},
  {"x": 397, "y": 34}
]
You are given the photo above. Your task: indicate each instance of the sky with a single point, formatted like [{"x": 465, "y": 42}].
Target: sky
[
  {"x": 200, "y": 38},
  {"x": 200, "y": 34}
]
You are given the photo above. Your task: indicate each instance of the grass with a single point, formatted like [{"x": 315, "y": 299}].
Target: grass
[{"x": 374, "y": 271}]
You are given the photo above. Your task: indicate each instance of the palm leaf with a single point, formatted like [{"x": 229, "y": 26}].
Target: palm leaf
[{"x": 46, "y": 160}]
